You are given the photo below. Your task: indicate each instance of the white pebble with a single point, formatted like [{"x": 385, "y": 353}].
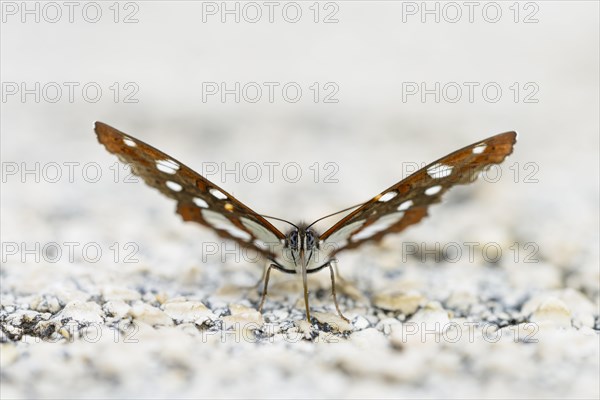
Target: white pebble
[
  {"x": 82, "y": 312},
  {"x": 151, "y": 315},
  {"x": 188, "y": 311}
]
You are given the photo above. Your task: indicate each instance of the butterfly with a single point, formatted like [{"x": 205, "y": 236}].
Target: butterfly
[{"x": 302, "y": 250}]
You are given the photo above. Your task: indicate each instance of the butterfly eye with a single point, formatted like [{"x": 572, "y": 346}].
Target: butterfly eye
[
  {"x": 310, "y": 240},
  {"x": 293, "y": 240}
]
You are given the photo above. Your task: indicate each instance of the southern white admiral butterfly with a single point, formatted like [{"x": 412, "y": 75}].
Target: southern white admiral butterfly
[{"x": 302, "y": 250}]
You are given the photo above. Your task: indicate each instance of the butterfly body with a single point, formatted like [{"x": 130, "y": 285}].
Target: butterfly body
[{"x": 302, "y": 250}]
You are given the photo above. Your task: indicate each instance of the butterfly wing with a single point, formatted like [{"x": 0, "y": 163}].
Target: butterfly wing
[
  {"x": 406, "y": 202},
  {"x": 197, "y": 198}
]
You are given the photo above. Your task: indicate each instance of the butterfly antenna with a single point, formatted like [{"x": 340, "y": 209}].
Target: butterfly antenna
[
  {"x": 335, "y": 213},
  {"x": 279, "y": 219}
]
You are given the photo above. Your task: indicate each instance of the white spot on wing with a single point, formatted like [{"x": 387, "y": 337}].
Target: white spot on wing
[
  {"x": 405, "y": 205},
  {"x": 433, "y": 190},
  {"x": 380, "y": 225},
  {"x": 217, "y": 194},
  {"x": 388, "y": 196},
  {"x": 167, "y": 166},
  {"x": 218, "y": 221},
  {"x": 174, "y": 186},
  {"x": 479, "y": 148},
  {"x": 200, "y": 203},
  {"x": 438, "y": 171},
  {"x": 128, "y": 142}
]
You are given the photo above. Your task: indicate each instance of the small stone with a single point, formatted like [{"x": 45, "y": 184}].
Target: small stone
[
  {"x": 64, "y": 332},
  {"x": 18, "y": 317},
  {"x": 117, "y": 308},
  {"x": 10, "y": 308},
  {"x": 373, "y": 319},
  {"x": 82, "y": 312},
  {"x": 45, "y": 316},
  {"x": 361, "y": 323},
  {"x": 405, "y": 302},
  {"x": 30, "y": 316},
  {"x": 553, "y": 311},
  {"x": 12, "y": 330},
  {"x": 461, "y": 301},
  {"x": 386, "y": 325},
  {"x": 582, "y": 310},
  {"x": 51, "y": 305},
  {"x": 66, "y": 296},
  {"x": 188, "y": 311},
  {"x": 431, "y": 318},
  {"x": 149, "y": 298},
  {"x": 162, "y": 297},
  {"x": 334, "y": 321},
  {"x": 243, "y": 317},
  {"x": 35, "y": 302},
  {"x": 120, "y": 293},
  {"x": 303, "y": 327},
  {"x": 239, "y": 309},
  {"x": 280, "y": 314},
  {"x": 149, "y": 314}
]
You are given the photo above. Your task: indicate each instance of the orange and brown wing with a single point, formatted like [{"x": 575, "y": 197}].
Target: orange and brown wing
[
  {"x": 406, "y": 202},
  {"x": 197, "y": 198}
]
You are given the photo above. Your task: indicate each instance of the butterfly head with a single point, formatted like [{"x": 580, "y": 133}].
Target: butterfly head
[
  {"x": 302, "y": 238},
  {"x": 302, "y": 244}
]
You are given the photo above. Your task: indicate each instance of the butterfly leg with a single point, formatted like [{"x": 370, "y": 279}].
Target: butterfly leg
[
  {"x": 337, "y": 272},
  {"x": 337, "y": 306},
  {"x": 267, "y": 274},
  {"x": 261, "y": 280},
  {"x": 305, "y": 286}
]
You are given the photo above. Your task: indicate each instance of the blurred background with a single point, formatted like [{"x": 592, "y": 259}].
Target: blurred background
[{"x": 299, "y": 109}]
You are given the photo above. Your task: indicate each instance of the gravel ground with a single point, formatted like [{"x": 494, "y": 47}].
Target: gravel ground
[{"x": 106, "y": 293}]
